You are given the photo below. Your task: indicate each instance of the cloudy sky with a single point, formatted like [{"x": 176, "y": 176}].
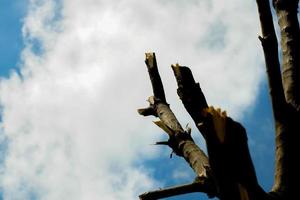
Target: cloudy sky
[{"x": 73, "y": 75}]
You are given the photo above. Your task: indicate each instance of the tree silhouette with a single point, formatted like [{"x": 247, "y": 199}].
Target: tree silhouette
[{"x": 227, "y": 171}]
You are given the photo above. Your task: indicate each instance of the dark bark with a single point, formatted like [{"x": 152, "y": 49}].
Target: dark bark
[
  {"x": 290, "y": 44},
  {"x": 226, "y": 142},
  {"x": 229, "y": 173},
  {"x": 284, "y": 98},
  {"x": 179, "y": 140},
  {"x": 197, "y": 186},
  {"x": 287, "y": 11},
  {"x": 157, "y": 86},
  {"x": 270, "y": 47},
  {"x": 279, "y": 105},
  {"x": 190, "y": 94}
]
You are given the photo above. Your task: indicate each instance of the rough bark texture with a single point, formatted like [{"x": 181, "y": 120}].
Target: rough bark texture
[
  {"x": 290, "y": 44},
  {"x": 180, "y": 140},
  {"x": 226, "y": 141},
  {"x": 286, "y": 11},
  {"x": 284, "y": 97},
  {"x": 279, "y": 105},
  {"x": 197, "y": 186},
  {"x": 228, "y": 172}
]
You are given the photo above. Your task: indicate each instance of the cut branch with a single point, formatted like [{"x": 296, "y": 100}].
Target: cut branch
[
  {"x": 179, "y": 140},
  {"x": 157, "y": 86},
  {"x": 190, "y": 94},
  {"x": 226, "y": 141},
  {"x": 197, "y": 186}
]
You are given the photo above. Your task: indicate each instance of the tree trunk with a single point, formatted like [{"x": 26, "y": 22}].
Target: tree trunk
[
  {"x": 180, "y": 140},
  {"x": 228, "y": 172}
]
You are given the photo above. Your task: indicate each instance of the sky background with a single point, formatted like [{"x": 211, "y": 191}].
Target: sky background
[{"x": 73, "y": 75}]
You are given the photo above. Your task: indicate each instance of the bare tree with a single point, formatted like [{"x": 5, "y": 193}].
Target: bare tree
[{"x": 227, "y": 171}]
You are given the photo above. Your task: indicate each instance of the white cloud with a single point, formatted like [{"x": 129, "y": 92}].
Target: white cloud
[
  {"x": 71, "y": 119},
  {"x": 182, "y": 175}
]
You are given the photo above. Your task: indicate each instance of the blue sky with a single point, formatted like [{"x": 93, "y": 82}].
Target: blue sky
[
  {"x": 67, "y": 77},
  {"x": 11, "y": 13}
]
